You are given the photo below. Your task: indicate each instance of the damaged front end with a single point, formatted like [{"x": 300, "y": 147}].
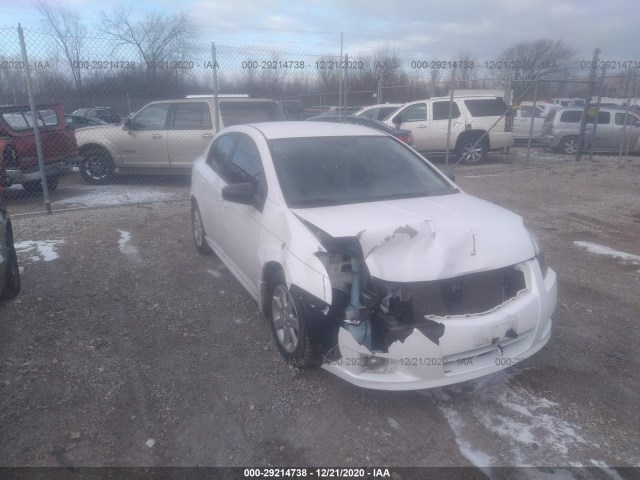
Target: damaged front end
[{"x": 419, "y": 334}]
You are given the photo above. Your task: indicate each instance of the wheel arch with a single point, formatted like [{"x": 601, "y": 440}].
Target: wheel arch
[{"x": 473, "y": 134}]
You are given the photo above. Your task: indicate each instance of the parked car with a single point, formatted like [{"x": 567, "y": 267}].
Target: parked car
[
  {"x": 379, "y": 112},
  {"x": 561, "y": 129},
  {"x": 404, "y": 135},
  {"x": 19, "y": 160},
  {"x": 9, "y": 270},
  {"x": 293, "y": 109},
  {"x": 80, "y": 121},
  {"x": 366, "y": 259},
  {"x": 336, "y": 111},
  {"x": 106, "y": 114},
  {"x": 478, "y": 125},
  {"x": 165, "y": 136},
  {"x": 522, "y": 114}
]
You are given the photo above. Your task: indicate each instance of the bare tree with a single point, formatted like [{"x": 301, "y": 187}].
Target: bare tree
[
  {"x": 466, "y": 75},
  {"x": 530, "y": 60},
  {"x": 65, "y": 27},
  {"x": 157, "y": 39}
]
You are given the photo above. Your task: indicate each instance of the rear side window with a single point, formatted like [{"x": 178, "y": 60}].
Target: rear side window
[
  {"x": 571, "y": 116},
  {"x": 486, "y": 107},
  {"x": 441, "y": 110},
  {"x": 238, "y": 113},
  {"x": 192, "y": 116}
]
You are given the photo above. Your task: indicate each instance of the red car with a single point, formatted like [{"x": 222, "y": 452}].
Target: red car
[{"x": 18, "y": 155}]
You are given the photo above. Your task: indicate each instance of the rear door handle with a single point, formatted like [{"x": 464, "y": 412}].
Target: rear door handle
[
  {"x": 156, "y": 135},
  {"x": 206, "y": 135},
  {"x": 422, "y": 126}
]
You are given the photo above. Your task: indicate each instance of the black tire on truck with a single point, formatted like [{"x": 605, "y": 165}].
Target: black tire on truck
[{"x": 96, "y": 166}]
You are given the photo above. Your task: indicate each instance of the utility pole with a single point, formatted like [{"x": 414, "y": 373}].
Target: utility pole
[
  {"x": 587, "y": 104},
  {"x": 595, "y": 125}
]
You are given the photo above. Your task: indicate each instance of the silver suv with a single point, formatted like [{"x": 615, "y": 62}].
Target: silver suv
[
  {"x": 165, "y": 136},
  {"x": 478, "y": 125},
  {"x": 561, "y": 129}
]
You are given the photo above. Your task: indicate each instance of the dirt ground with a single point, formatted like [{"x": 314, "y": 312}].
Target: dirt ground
[{"x": 127, "y": 348}]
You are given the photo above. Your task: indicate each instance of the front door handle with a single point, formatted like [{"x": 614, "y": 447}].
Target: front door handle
[
  {"x": 422, "y": 126},
  {"x": 156, "y": 135},
  {"x": 206, "y": 135}
]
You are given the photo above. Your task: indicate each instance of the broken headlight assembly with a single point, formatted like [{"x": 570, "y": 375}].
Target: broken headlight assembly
[{"x": 539, "y": 254}]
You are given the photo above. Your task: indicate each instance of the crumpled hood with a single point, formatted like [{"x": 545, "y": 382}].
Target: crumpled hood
[{"x": 430, "y": 238}]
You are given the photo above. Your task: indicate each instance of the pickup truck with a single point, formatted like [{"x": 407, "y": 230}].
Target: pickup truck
[
  {"x": 18, "y": 154},
  {"x": 166, "y": 136}
]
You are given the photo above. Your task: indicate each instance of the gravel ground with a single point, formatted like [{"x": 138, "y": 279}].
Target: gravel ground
[{"x": 127, "y": 348}]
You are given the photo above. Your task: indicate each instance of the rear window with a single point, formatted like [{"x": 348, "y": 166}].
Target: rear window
[
  {"x": 486, "y": 107},
  {"x": 238, "y": 113}
]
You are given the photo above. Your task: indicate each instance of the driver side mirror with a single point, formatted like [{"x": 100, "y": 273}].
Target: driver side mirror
[
  {"x": 243, "y": 193},
  {"x": 128, "y": 124},
  {"x": 397, "y": 120}
]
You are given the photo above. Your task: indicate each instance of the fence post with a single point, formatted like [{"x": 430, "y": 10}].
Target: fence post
[
  {"x": 380, "y": 82},
  {"x": 216, "y": 104},
  {"x": 509, "y": 101},
  {"x": 595, "y": 125},
  {"x": 453, "y": 81},
  {"x": 34, "y": 119},
  {"x": 631, "y": 107},
  {"x": 626, "y": 116},
  {"x": 533, "y": 111},
  {"x": 587, "y": 103},
  {"x": 346, "y": 85},
  {"x": 340, "y": 82}
]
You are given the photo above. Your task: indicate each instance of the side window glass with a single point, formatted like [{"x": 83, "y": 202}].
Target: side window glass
[
  {"x": 220, "y": 153},
  {"x": 414, "y": 113},
  {"x": 192, "y": 116},
  {"x": 153, "y": 117},
  {"x": 441, "y": 110},
  {"x": 246, "y": 165}
]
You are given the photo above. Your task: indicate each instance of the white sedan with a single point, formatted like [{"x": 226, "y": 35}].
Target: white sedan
[{"x": 366, "y": 259}]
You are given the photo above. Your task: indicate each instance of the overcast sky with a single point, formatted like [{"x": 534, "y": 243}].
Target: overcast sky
[{"x": 416, "y": 29}]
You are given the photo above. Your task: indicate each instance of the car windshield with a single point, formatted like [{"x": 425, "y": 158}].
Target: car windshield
[{"x": 322, "y": 171}]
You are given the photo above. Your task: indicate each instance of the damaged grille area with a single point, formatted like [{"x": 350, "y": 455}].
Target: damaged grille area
[{"x": 464, "y": 295}]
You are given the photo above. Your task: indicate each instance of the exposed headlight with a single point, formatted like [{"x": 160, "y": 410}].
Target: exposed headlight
[{"x": 539, "y": 254}]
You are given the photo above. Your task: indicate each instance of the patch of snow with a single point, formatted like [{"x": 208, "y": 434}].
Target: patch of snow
[
  {"x": 477, "y": 457},
  {"x": 214, "y": 273},
  {"x": 394, "y": 423},
  {"x": 103, "y": 195},
  {"x": 37, "y": 250},
  {"x": 602, "y": 250},
  {"x": 123, "y": 244}
]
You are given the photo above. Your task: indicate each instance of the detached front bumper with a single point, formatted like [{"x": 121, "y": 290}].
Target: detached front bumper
[
  {"x": 471, "y": 346},
  {"x": 32, "y": 174}
]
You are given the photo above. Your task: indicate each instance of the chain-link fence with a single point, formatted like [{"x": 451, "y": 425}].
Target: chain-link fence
[{"x": 119, "y": 121}]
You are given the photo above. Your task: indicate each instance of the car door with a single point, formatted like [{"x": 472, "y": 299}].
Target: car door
[
  {"x": 439, "y": 125},
  {"x": 604, "y": 133},
  {"x": 240, "y": 224},
  {"x": 190, "y": 133},
  {"x": 414, "y": 118},
  {"x": 144, "y": 144},
  {"x": 211, "y": 183}
]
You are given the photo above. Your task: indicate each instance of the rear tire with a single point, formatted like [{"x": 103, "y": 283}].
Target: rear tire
[
  {"x": 96, "y": 167},
  {"x": 12, "y": 280},
  {"x": 569, "y": 145},
  {"x": 199, "y": 235},
  {"x": 471, "y": 151}
]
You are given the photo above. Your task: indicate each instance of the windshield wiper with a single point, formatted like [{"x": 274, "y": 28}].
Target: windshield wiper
[{"x": 315, "y": 202}]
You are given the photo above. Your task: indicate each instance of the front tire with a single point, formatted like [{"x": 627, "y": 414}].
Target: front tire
[
  {"x": 96, "y": 167},
  {"x": 471, "y": 151},
  {"x": 12, "y": 280},
  {"x": 199, "y": 235},
  {"x": 288, "y": 324}
]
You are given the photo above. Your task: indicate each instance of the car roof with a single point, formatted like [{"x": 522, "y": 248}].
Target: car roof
[{"x": 302, "y": 129}]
